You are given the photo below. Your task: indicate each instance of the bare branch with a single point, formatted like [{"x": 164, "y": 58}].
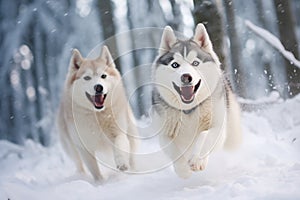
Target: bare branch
[{"x": 273, "y": 41}]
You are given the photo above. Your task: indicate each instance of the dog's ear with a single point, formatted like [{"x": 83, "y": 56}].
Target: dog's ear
[
  {"x": 76, "y": 59},
  {"x": 201, "y": 38},
  {"x": 168, "y": 39},
  {"x": 106, "y": 56}
]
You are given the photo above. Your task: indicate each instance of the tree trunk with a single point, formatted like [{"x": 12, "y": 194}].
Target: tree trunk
[
  {"x": 268, "y": 73},
  {"x": 286, "y": 26},
  {"x": 177, "y": 20},
  {"x": 206, "y": 12},
  {"x": 136, "y": 61},
  {"x": 235, "y": 50},
  {"x": 106, "y": 16},
  {"x": 26, "y": 103}
]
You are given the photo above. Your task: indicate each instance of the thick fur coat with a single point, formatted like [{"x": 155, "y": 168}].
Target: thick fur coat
[
  {"x": 95, "y": 121},
  {"x": 198, "y": 111}
]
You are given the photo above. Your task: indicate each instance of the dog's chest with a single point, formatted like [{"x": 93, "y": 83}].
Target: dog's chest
[
  {"x": 197, "y": 121},
  {"x": 92, "y": 130}
]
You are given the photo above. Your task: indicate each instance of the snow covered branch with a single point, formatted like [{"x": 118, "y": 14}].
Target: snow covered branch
[
  {"x": 258, "y": 104},
  {"x": 273, "y": 41}
]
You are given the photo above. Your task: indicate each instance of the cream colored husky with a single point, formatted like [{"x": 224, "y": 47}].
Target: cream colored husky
[
  {"x": 95, "y": 121},
  {"x": 194, "y": 102}
]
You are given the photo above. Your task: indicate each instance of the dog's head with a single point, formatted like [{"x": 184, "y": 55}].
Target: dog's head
[
  {"x": 186, "y": 71},
  {"x": 92, "y": 80}
]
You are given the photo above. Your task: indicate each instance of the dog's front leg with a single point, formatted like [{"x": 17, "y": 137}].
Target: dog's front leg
[
  {"x": 176, "y": 155},
  {"x": 205, "y": 143},
  {"x": 210, "y": 139},
  {"x": 121, "y": 152},
  {"x": 90, "y": 160},
  {"x": 199, "y": 157}
]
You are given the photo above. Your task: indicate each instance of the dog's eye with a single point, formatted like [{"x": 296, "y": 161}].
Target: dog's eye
[
  {"x": 195, "y": 63},
  {"x": 103, "y": 76},
  {"x": 175, "y": 65},
  {"x": 87, "y": 78}
]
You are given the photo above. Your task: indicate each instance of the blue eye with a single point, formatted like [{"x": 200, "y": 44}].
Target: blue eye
[
  {"x": 87, "y": 78},
  {"x": 195, "y": 63},
  {"x": 175, "y": 65}
]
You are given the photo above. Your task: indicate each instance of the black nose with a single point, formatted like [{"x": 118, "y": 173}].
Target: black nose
[
  {"x": 186, "y": 78},
  {"x": 98, "y": 88}
]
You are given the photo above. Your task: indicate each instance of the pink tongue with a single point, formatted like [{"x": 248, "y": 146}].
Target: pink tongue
[
  {"x": 187, "y": 92},
  {"x": 99, "y": 100}
]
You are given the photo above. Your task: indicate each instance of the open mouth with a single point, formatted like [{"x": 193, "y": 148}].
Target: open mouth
[
  {"x": 187, "y": 92},
  {"x": 97, "y": 100}
]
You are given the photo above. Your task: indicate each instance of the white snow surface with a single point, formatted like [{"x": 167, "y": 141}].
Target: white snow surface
[{"x": 267, "y": 166}]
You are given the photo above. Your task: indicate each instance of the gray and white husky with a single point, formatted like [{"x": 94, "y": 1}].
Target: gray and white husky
[{"x": 194, "y": 102}]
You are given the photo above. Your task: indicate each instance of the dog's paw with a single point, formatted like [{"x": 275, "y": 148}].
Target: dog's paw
[
  {"x": 122, "y": 162},
  {"x": 198, "y": 164},
  {"x": 182, "y": 170},
  {"x": 122, "y": 167}
]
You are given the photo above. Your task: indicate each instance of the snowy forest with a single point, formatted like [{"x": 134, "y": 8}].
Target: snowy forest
[{"x": 258, "y": 45}]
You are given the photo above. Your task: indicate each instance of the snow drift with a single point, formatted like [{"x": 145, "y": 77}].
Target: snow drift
[{"x": 266, "y": 167}]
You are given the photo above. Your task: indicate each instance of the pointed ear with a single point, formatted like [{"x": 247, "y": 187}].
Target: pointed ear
[
  {"x": 168, "y": 39},
  {"x": 106, "y": 56},
  {"x": 201, "y": 37},
  {"x": 76, "y": 59}
]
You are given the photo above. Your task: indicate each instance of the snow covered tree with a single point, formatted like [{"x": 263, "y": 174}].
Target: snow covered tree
[
  {"x": 106, "y": 11},
  {"x": 36, "y": 41},
  {"x": 29, "y": 46},
  {"x": 287, "y": 33},
  {"x": 235, "y": 49},
  {"x": 151, "y": 16},
  {"x": 208, "y": 13}
]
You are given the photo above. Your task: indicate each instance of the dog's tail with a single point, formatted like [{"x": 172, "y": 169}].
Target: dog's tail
[{"x": 234, "y": 134}]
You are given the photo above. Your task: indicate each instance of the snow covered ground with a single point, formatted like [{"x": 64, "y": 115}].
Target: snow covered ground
[{"x": 266, "y": 167}]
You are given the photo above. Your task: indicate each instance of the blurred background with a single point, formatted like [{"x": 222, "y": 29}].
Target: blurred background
[{"x": 37, "y": 36}]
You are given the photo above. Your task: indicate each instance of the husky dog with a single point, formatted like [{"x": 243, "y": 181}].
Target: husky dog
[
  {"x": 94, "y": 115},
  {"x": 195, "y": 104}
]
